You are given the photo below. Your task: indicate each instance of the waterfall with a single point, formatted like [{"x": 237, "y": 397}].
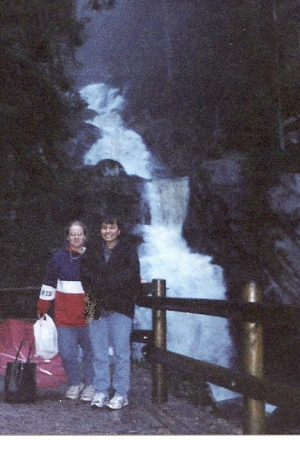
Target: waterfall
[{"x": 164, "y": 254}]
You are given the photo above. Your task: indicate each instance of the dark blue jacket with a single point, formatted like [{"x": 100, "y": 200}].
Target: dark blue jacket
[{"x": 114, "y": 284}]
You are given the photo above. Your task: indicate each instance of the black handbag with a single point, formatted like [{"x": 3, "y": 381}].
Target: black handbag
[{"x": 20, "y": 380}]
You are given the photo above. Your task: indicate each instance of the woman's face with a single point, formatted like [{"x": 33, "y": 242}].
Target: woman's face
[
  {"x": 110, "y": 233},
  {"x": 76, "y": 237}
]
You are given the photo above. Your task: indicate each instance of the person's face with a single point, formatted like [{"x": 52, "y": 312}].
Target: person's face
[
  {"x": 110, "y": 233},
  {"x": 76, "y": 237}
]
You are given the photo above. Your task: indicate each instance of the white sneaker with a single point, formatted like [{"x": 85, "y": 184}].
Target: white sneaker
[
  {"x": 87, "y": 394},
  {"x": 117, "y": 402},
  {"x": 74, "y": 391},
  {"x": 100, "y": 399}
]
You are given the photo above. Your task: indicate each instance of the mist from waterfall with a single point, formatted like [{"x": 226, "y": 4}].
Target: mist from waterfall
[{"x": 164, "y": 254}]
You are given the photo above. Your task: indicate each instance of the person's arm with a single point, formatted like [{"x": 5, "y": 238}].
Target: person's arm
[{"x": 48, "y": 289}]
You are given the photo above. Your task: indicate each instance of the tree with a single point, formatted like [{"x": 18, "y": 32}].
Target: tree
[{"x": 40, "y": 112}]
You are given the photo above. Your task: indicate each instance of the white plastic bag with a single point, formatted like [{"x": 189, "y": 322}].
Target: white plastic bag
[{"x": 45, "y": 337}]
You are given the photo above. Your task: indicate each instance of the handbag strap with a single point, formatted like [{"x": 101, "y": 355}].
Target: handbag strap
[
  {"x": 30, "y": 348},
  {"x": 19, "y": 349}
]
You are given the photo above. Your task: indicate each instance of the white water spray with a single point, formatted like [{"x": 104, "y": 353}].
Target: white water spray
[{"x": 164, "y": 253}]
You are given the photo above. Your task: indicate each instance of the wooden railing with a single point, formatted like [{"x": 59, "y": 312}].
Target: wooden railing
[{"x": 249, "y": 381}]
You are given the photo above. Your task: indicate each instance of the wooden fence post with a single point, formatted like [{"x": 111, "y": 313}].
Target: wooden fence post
[
  {"x": 254, "y": 410},
  {"x": 159, "y": 326}
]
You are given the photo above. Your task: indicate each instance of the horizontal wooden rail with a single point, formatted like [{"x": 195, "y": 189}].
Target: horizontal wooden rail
[
  {"x": 258, "y": 388},
  {"x": 250, "y": 312},
  {"x": 20, "y": 289}
]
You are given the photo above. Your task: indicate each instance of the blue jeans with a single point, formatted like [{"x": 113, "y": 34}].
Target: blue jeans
[
  {"x": 111, "y": 331},
  {"x": 74, "y": 346}
]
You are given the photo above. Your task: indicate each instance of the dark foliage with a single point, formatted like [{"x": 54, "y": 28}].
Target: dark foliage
[{"x": 41, "y": 115}]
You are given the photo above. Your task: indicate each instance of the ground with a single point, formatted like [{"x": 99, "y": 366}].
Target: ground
[{"x": 52, "y": 414}]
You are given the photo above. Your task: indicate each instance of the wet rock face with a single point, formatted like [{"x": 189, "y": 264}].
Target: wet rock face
[
  {"x": 284, "y": 200},
  {"x": 107, "y": 187},
  {"x": 108, "y": 168},
  {"x": 218, "y": 224},
  {"x": 216, "y": 219}
]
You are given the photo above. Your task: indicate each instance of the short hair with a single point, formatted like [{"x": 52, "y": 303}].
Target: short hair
[
  {"x": 111, "y": 219},
  {"x": 78, "y": 223}
]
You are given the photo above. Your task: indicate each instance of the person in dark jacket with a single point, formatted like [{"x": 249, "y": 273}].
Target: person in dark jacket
[{"x": 110, "y": 275}]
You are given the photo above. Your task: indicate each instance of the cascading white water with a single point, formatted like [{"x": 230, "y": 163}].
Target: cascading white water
[
  {"x": 164, "y": 253},
  {"x": 117, "y": 142}
]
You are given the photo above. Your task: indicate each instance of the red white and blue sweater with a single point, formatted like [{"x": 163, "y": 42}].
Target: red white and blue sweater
[{"x": 61, "y": 284}]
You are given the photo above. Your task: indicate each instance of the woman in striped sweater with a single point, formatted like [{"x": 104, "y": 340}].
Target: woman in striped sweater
[{"x": 61, "y": 285}]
